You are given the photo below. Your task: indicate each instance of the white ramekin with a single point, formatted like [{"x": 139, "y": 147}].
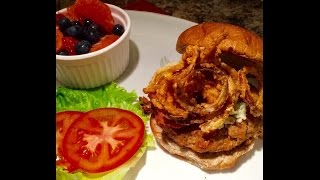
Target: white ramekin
[{"x": 100, "y": 67}]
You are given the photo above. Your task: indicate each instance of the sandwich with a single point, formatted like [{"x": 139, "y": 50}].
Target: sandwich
[{"x": 207, "y": 108}]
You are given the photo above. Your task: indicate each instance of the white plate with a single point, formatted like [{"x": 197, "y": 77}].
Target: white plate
[{"x": 154, "y": 36}]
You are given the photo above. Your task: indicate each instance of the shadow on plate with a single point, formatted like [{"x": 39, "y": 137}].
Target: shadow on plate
[
  {"x": 133, "y": 61},
  {"x": 133, "y": 172}
]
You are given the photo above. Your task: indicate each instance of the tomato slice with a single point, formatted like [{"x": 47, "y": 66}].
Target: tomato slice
[
  {"x": 63, "y": 122},
  {"x": 103, "y": 139}
]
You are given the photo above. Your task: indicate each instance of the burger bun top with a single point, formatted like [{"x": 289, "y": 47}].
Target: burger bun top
[{"x": 232, "y": 41}]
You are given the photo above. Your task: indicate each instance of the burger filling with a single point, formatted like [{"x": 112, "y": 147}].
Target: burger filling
[{"x": 204, "y": 104}]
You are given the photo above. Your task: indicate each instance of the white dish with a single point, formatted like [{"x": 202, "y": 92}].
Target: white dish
[
  {"x": 100, "y": 67},
  {"x": 154, "y": 36}
]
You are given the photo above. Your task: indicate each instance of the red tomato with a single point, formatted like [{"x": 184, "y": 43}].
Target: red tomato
[
  {"x": 103, "y": 139},
  {"x": 63, "y": 121}
]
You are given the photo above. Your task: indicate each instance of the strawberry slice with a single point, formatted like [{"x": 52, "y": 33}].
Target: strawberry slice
[
  {"x": 104, "y": 42},
  {"x": 68, "y": 43},
  {"x": 58, "y": 17},
  {"x": 95, "y": 10},
  {"x": 71, "y": 14},
  {"x": 59, "y": 37}
]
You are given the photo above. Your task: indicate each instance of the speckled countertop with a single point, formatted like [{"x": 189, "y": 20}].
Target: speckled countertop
[{"x": 246, "y": 13}]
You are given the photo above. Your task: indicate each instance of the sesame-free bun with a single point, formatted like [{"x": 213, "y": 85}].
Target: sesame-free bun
[
  {"x": 227, "y": 38},
  {"x": 205, "y": 161}
]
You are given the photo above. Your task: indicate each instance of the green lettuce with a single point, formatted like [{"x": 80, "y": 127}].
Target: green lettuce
[{"x": 110, "y": 95}]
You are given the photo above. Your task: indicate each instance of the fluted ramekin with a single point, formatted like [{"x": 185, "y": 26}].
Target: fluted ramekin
[{"x": 97, "y": 68}]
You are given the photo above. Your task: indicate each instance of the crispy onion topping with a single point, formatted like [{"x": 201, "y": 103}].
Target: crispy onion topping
[
  {"x": 200, "y": 89},
  {"x": 252, "y": 91}
]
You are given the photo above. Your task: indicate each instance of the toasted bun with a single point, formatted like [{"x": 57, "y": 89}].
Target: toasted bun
[
  {"x": 206, "y": 161},
  {"x": 226, "y": 37}
]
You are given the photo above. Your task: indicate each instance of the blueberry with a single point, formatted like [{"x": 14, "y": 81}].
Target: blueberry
[
  {"x": 64, "y": 53},
  {"x": 93, "y": 26},
  {"x": 87, "y": 22},
  {"x": 91, "y": 35},
  {"x": 74, "y": 31},
  {"x": 76, "y": 23},
  {"x": 83, "y": 47},
  {"x": 64, "y": 23},
  {"x": 118, "y": 29}
]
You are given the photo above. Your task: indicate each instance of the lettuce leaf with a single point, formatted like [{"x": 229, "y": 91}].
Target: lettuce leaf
[{"x": 110, "y": 95}]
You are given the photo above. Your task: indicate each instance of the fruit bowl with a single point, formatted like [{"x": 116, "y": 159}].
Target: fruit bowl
[{"x": 99, "y": 67}]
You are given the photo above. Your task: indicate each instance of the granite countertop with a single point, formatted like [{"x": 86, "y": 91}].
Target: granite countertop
[{"x": 245, "y": 13}]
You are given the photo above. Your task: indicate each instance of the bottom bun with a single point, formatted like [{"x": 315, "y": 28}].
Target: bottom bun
[{"x": 206, "y": 161}]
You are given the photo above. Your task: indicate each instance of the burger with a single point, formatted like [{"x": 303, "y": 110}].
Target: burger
[{"x": 207, "y": 108}]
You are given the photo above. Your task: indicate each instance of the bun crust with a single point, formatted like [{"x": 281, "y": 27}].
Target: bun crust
[
  {"x": 226, "y": 37},
  {"x": 206, "y": 161}
]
